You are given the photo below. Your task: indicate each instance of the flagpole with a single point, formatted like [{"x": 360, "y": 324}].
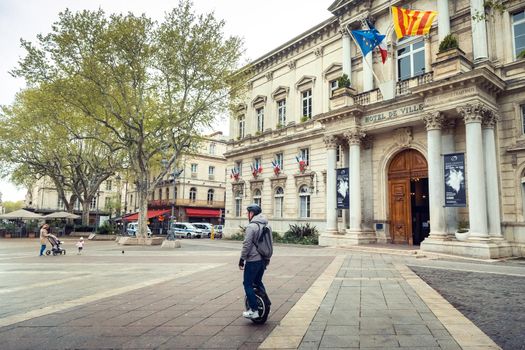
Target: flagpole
[{"x": 364, "y": 57}]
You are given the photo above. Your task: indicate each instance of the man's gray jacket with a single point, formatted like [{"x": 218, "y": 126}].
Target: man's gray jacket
[{"x": 249, "y": 251}]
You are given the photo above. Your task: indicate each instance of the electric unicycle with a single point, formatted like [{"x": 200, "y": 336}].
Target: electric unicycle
[{"x": 263, "y": 305}]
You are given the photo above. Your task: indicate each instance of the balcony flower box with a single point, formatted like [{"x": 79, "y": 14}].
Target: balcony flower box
[
  {"x": 342, "y": 97},
  {"x": 449, "y": 63}
]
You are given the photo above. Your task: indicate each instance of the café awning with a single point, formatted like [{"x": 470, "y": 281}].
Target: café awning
[{"x": 203, "y": 213}]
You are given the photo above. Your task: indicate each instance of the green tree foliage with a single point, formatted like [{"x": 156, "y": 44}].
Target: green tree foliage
[
  {"x": 40, "y": 137},
  {"x": 10, "y": 206},
  {"x": 152, "y": 86}
]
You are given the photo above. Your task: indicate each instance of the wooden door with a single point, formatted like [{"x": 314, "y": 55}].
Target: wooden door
[{"x": 400, "y": 223}]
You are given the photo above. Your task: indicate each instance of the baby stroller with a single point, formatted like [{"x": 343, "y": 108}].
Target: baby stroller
[{"x": 55, "y": 246}]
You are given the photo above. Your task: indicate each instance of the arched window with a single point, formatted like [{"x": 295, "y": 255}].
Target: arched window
[
  {"x": 160, "y": 193},
  {"x": 210, "y": 196},
  {"x": 167, "y": 193},
  {"x": 278, "y": 200},
  {"x": 212, "y": 149},
  {"x": 304, "y": 202},
  {"x": 238, "y": 204},
  {"x": 257, "y": 197},
  {"x": 193, "y": 194}
]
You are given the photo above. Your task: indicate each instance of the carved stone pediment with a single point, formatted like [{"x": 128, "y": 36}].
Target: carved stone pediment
[
  {"x": 333, "y": 70},
  {"x": 256, "y": 184},
  {"x": 238, "y": 186},
  {"x": 278, "y": 181},
  {"x": 280, "y": 92},
  {"x": 258, "y": 100},
  {"x": 305, "y": 82},
  {"x": 306, "y": 178}
]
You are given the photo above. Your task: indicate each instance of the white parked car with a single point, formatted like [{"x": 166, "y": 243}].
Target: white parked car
[
  {"x": 132, "y": 228},
  {"x": 204, "y": 227},
  {"x": 185, "y": 230}
]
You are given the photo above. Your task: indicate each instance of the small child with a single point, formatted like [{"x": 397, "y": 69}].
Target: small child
[{"x": 80, "y": 245}]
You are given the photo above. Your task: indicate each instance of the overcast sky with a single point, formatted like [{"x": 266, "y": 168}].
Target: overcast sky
[{"x": 264, "y": 25}]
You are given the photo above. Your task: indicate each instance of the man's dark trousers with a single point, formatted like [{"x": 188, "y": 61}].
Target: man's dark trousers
[{"x": 253, "y": 274}]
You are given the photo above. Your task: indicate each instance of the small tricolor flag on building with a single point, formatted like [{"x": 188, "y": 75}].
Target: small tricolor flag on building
[{"x": 411, "y": 22}]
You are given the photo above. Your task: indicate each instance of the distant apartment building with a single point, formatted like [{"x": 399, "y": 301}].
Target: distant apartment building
[
  {"x": 43, "y": 198},
  {"x": 196, "y": 193}
]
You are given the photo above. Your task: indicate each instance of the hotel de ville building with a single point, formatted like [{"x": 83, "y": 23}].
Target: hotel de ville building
[{"x": 426, "y": 149}]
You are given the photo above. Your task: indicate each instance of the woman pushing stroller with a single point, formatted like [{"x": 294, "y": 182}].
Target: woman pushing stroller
[{"x": 55, "y": 242}]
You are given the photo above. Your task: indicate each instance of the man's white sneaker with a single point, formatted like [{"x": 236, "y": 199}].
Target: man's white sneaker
[{"x": 251, "y": 314}]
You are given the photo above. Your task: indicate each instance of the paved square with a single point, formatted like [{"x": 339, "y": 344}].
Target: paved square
[{"x": 150, "y": 298}]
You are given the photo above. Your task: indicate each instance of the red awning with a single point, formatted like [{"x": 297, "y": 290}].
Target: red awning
[
  {"x": 204, "y": 213},
  {"x": 151, "y": 214}
]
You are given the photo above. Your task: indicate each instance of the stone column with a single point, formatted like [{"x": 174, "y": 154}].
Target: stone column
[
  {"x": 477, "y": 198},
  {"x": 443, "y": 19},
  {"x": 354, "y": 171},
  {"x": 368, "y": 77},
  {"x": 428, "y": 54},
  {"x": 448, "y": 146},
  {"x": 347, "y": 57},
  {"x": 331, "y": 191},
  {"x": 479, "y": 31},
  {"x": 436, "y": 186},
  {"x": 491, "y": 173}
]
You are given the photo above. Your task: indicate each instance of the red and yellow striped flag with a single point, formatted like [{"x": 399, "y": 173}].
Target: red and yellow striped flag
[{"x": 411, "y": 22}]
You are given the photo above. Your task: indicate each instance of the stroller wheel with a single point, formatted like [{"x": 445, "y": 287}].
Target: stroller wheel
[
  {"x": 54, "y": 253},
  {"x": 48, "y": 252},
  {"x": 64, "y": 252}
]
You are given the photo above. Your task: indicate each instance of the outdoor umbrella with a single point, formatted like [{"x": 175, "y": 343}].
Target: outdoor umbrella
[
  {"x": 21, "y": 214},
  {"x": 61, "y": 215}
]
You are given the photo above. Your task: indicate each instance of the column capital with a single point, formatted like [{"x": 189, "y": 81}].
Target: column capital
[
  {"x": 354, "y": 136},
  {"x": 490, "y": 118},
  {"x": 434, "y": 120},
  {"x": 472, "y": 113},
  {"x": 330, "y": 142}
]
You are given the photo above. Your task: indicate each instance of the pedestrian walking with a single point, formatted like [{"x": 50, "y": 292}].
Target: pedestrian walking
[
  {"x": 80, "y": 245},
  {"x": 44, "y": 233},
  {"x": 251, "y": 261}
]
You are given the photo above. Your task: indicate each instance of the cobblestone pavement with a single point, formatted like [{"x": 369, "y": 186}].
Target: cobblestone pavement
[
  {"x": 494, "y": 302},
  {"x": 149, "y": 298}
]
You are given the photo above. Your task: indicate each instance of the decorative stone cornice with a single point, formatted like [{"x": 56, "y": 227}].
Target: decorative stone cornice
[
  {"x": 269, "y": 75},
  {"x": 292, "y": 64},
  {"x": 433, "y": 121},
  {"x": 472, "y": 113},
  {"x": 330, "y": 142},
  {"x": 318, "y": 51},
  {"x": 490, "y": 118},
  {"x": 354, "y": 136}
]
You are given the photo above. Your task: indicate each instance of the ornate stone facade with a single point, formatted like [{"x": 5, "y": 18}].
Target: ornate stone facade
[{"x": 391, "y": 141}]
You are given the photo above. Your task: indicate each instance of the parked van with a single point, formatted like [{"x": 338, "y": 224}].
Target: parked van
[
  {"x": 132, "y": 228},
  {"x": 184, "y": 229}
]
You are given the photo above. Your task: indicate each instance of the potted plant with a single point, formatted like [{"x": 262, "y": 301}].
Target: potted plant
[
  {"x": 304, "y": 118},
  {"x": 449, "y": 42},
  {"x": 344, "y": 82},
  {"x": 279, "y": 126},
  {"x": 521, "y": 55}
]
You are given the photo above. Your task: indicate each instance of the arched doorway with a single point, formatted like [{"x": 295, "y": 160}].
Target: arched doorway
[{"x": 408, "y": 197}]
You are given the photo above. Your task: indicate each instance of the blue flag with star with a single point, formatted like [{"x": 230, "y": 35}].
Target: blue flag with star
[{"x": 367, "y": 39}]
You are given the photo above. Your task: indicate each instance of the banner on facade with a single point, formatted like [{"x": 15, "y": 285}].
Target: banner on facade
[
  {"x": 343, "y": 190},
  {"x": 455, "y": 180}
]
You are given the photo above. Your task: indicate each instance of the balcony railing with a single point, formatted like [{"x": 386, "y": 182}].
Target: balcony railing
[
  {"x": 185, "y": 202},
  {"x": 402, "y": 88}
]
